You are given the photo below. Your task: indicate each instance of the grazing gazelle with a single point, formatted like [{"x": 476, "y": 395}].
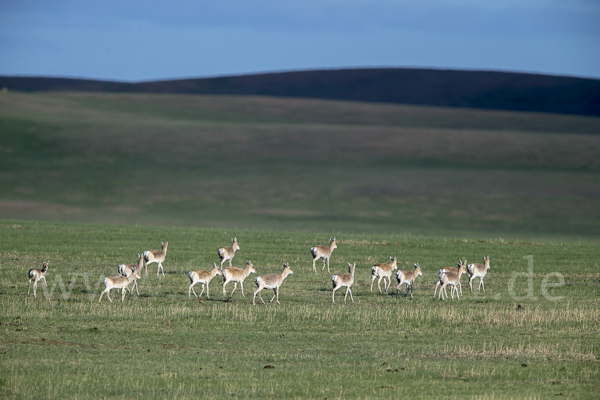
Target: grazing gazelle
[
  {"x": 118, "y": 282},
  {"x": 235, "y": 275},
  {"x": 228, "y": 252},
  {"x": 450, "y": 278},
  {"x": 127, "y": 269},
  {"x": 383, "y": 271},
  {"x": 477, "y": 270},
  {"x": 324, "y": 253},
  {"x": 271, "y": 281},
  {"x": 407, "y": 278},
  {"x": 341, "y": 280},
  {"x": 156, "y": 256},
  {"x": 204, "y": 278},
  {"x": 36, "y": 275},
  {"x": 452, "y": 270}
]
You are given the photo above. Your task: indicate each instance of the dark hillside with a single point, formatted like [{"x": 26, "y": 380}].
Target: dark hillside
[{"x": 451, "y": 88}]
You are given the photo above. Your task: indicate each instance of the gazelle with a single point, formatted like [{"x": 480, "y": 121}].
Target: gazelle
[
  {"x": 271, "y": 281},
  {"x": 383, "y": 271},
  {"x": 341, "y": 280},
  {"x": 118, "y": 282},
  {"x": 127, "y": 269},
  {"x": 477, "y": 270},
  {"x": 452, "y": 270},
  {"x": 36, "y": 275},
  {"x": 156, "y": 256},
  {"x": 235, "y": 275},
  {"x": 407, "y": 278},
  {"x": 204, "y": 278},
  {"x": 228, "y": 252},
  {"x": 324, "y": 253},
  {"x": 450, "y": 278}
]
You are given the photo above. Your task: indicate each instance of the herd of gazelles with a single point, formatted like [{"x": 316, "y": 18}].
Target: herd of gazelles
[{"x": 129, "y": 273}]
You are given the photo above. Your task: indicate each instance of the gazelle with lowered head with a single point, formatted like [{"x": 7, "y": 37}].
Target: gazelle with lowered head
[
  {"x": 235, "y": 275},
  {"x": 383, "y": 271},
  {"x": 127, "y": 269},
  {"x": 452, "y": 270},
  {"x": 156, "y": 256},
  {"x": 407, "y": 278},
  {"x": 35, "y": 275},
  {"x": 453, "y": 279},
  {"x": 324, "y": 253},
  {"x": 227, "y": 253},
  {"x": 343, "y": 280},
  {"x": 271, "y": 281},
  {"x": 119, "y": 282},
  {"x": 204, "y": 278},
  {"x": 477, "y": 270}
]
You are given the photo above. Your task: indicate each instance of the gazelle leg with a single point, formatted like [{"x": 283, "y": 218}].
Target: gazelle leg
[{"x": 349, "y": 291}]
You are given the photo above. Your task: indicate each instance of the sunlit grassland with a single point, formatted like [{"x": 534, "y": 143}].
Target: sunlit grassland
[
  {"x": 506, "y": 342},
  {"x": 291, "y": 164}
]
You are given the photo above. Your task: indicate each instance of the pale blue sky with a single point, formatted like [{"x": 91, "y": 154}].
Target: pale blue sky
[{"x": 140, "y": 40}]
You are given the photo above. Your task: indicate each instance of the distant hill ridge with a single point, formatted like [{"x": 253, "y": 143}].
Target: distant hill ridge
[{"x": 432, "y": 87}]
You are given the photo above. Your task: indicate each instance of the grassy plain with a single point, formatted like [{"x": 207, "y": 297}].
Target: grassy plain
[
  {"x": 293, "y": 164},
  {"x": 428, "y": 185},
  {"x": 506, "y": 343}
]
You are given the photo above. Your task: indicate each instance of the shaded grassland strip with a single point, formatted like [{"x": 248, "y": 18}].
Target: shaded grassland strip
[{"x": 252, "y": 162}]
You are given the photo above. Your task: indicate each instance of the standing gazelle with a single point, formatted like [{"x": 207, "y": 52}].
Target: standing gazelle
[
  {"x": 477, "y": 270},
  {"x": 204, "y": 278},
  {"x": 156, "y": 256},
  {"x": 407, "y": 278},
  {"x": 271, "y": 281},
  {"x": 324, "y": 253},
  {"x": 450, "y": 278},
  {"x": 119, "y": 282},
  {"x": 127, "y": 269},
  {"x": 36, "y": 275},
  {"x": 341, "y": 280},
  {"x": 228, "y": 252},
  {"x": 383, "y": 271},
  {"x": 452, "y": 270},
  {"x": 235, "y": 275}
]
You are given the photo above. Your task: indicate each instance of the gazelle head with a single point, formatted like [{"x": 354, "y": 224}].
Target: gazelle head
[
  {"x": 393, "y": 263},
  {"x": 234, "y": 244},
  {"x": 418, "y": 271},
  {"x": 351, "y": 267},
  {"x": 163, "y": 246},
  {"x": 287, "y": 270},
  {"x": 45, "y": 265},
  {"x": 486, "y": 262},
  {"x": 332, "y": 243},
  {"x": 215, "y": 268},
  {"x": 136, "y": 273},
  {"x": 250, "y": 267}
]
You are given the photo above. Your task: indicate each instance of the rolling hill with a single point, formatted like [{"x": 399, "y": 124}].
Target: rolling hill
[{"x": 429, "y": 87}]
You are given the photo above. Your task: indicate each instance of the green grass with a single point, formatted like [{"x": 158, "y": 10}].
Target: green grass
[
  {"x": 298, "y": 165},
  {"x": 162, "y": 344}
]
